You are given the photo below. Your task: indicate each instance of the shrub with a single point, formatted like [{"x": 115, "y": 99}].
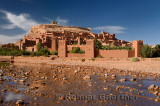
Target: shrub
[
  {"x": 75, "y": 43},
  {"x": 107, "y": 47},
  {"x": 147, "y": 51},
  {"x": 134, "y": 59},
  {"x": 39, "y": 46},
  {"x": 46, "y": 55},
  {"x": 43, "y": 51},
  {"x": 33, "y": 54},
  {"x": 93, "y": 59},
  {"x": 77, "y": 50},
  {"x": 157, "y": 51},
  {"x": 54, "y": 52},
  {"x": 82, "y": 52},
  {"x": 82, "y": 60},
  {"x": 157, "y": 47},
  {"x": 99, "y": 56},
  {"x": 98, "y": 44}
]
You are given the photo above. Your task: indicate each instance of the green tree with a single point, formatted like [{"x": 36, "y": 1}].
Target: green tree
[
  {"x": 98, "y": 44},
  {"x": 39, "y": 46},
  {"x": 147, "y": 51},
  {"x": 157, "y": 50}
]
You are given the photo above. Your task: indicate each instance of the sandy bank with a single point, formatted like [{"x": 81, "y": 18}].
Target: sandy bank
[{"x": 147, "y": 65}]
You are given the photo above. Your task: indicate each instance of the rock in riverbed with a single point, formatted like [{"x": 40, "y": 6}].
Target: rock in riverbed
[
  {"x": 87, "y": 77},
  {"x": 19, "y": 102},
  {"x": 151, "y": 87},
  {"x": 134, "y": 79}
]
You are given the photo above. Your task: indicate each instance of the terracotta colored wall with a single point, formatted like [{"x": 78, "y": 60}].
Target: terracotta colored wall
[
  {"x": 5, "y": 58},
  {"x": 89, "y": 49},
  {"x": 75, "y": 55},
  {"x": 62, "y": 48},
  {"x": 30, "y": 48},
  {"x": 131, "y": 53},
  {"x": 137, "y": 45},
  {"x": 54, "y": 44},
  {"x": 114, "y": 53}
]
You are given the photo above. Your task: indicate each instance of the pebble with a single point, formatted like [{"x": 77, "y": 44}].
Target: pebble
[
  {"x": 156, "y": 88},
  {"x": 64, "y": 78},
  {"x": 76, "y": 71},
  {"x": 151, "y": 87},
  {"x": 19, "y": 102},
  {"x": 22, "y": 81},
  {"x": 87, "y": 77},
  {"x": 113, "y": 76},
  {"x": 134, "y": 79},
  {"x": 157, "y": 100},
  {"x": 105, "y": 88},
  {"x": 105, "y": 75},
  {"x": 155, "y": 93},
  {"x": 117, "y": 88},
  {"x": 123, "y": 80}
]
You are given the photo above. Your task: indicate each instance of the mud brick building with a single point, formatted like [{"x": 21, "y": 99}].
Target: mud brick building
[{"x": 64, "y": 38}]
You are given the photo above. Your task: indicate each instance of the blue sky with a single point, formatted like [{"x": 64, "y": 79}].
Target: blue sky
[{"x": 128, "y": 19}]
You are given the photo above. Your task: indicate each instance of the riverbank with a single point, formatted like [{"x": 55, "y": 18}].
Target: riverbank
[{"x": 148, "y": 65}]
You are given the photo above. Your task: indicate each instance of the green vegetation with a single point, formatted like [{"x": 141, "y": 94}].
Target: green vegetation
[
  {"x": 93, "y": 59},
  {"x": 147, "y": 51},
  {"x": 134, "y": 59},
  {"x": 98, "y": 44},
  {"x": 77, "y": 50},
  {"x": 106, "y": 47},
  {"x": 157, "y": 51},
  {"x": 12, "y": 50},
  {"x": 42, "y": 51},
  {"x": 54, "y": 52},
  {"x": 99, "y": 56},
  {"x": 82, "y": 60},
  {"x": 75, "y": 43}
]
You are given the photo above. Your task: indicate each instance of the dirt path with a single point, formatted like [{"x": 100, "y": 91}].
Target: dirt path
[{"x": 144, "y": 66}]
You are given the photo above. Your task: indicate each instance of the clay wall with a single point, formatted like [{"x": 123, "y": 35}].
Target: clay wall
[
  {"x": 131, "y": 53},
  {"x": 114, "y": 53},
  {"x": 137, "y": 45},
  {"x": 75, "y": 55},
  {"x": 30, "y": 49},
  {"x": 62, "y": 48},
  {"x": 89, "y": 49}
]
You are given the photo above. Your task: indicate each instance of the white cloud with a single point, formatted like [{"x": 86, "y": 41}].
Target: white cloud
[
  {"x": 22, "y": 21},
  {"x": 10, "y": 39},
  {"x": 111, "y": 29},
  {"x": 48, "y": 19},
  {"x": 59, "y": 21},
  {"x": 62, "y": 21},
  {"x": 8, "y": 26}
]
